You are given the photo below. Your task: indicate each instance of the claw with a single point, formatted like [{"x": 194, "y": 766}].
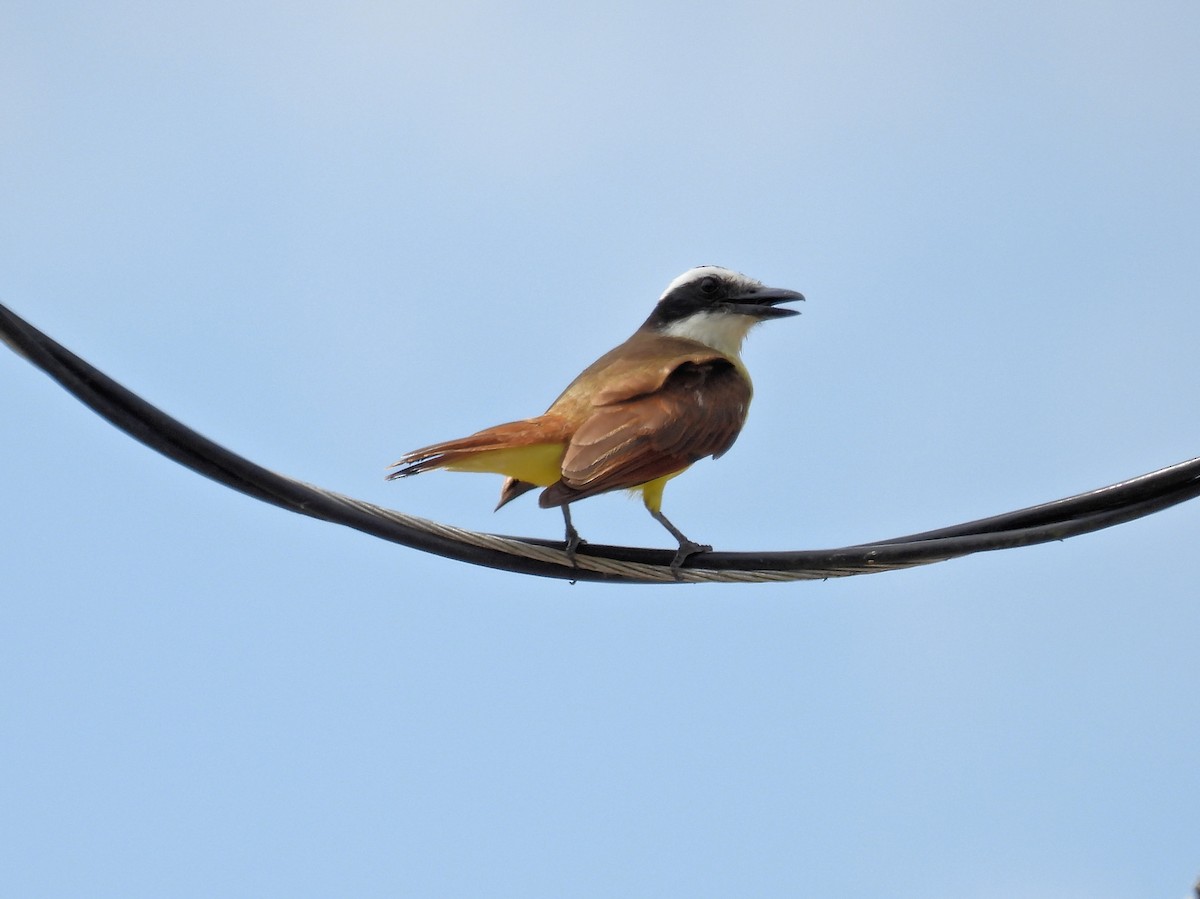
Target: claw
[
  {"x": 573, "y": 540},
  {"x": 686, "y": 548}
]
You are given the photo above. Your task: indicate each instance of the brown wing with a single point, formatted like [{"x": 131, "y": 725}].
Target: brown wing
[
  {"x": 639, "y": 366},
  {"x": 697, "y": 412}
]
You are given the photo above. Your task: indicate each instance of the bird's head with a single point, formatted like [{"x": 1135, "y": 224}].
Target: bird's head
[{"x": 717, "y": 307}]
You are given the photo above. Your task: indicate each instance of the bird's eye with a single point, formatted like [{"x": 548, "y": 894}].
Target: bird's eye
[{"x": 708, "y": 285}]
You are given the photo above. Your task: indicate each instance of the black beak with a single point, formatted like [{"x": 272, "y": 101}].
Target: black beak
[{"x": 763, "y": 302}]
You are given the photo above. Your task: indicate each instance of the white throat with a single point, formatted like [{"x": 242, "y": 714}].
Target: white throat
[{"x": 723, "y": 331}]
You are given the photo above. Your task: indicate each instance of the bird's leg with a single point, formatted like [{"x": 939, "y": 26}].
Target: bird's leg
[
  {"x": 574, "y": 541},
  {"x": 686, "y": 547}
]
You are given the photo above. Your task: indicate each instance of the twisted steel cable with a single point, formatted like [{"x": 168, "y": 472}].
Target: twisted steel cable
[{"x": 1043, "y": 523}]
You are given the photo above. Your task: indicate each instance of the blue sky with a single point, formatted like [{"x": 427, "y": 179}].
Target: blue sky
[{"x": 324, "y": 236}]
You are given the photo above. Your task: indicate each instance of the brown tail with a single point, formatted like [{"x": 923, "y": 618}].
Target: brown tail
[{"x": 530, "y": 431}]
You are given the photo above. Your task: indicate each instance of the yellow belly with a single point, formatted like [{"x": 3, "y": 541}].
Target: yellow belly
[
  {"x": 652, "y": 491},
  {"x": 539, "y": 464}
]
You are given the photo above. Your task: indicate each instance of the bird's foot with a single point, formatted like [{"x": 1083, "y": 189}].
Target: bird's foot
[
  {"x": 574, "y": 541},
  {"x": 572, "y": 538},
  {"x": 686, "y": 548}
]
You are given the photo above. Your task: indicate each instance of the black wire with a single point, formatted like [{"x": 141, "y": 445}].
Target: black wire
[{"x": 1054, "y": 520}]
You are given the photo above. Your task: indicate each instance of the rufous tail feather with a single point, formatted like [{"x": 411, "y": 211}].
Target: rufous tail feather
[{"x": 545, "y": 429}]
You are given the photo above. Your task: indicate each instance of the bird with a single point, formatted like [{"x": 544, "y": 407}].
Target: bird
[{"x": 675, "y": 392}]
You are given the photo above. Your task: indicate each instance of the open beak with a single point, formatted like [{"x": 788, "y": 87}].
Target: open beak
[{"x": 763, "y": 302}]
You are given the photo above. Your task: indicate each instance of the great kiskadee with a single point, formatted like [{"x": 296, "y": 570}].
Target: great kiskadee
[{"x": 673, "y": 393}]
